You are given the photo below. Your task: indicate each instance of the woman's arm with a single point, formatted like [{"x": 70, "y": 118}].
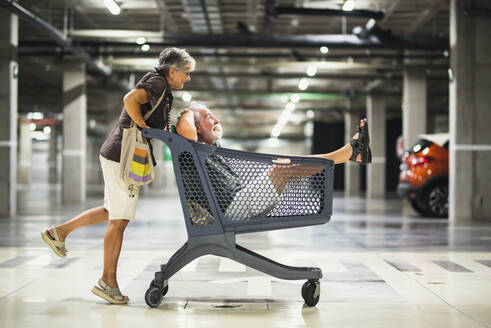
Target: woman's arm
[
  {"x": 132, "y": 102},
  {"x": 185, "y": 125}
]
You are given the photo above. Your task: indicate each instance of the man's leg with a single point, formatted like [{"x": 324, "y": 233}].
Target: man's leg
[
  {"x": 89, "y": 217},
  {"x": 281, "y": 174},
  {"x": 112, "y": 248}
]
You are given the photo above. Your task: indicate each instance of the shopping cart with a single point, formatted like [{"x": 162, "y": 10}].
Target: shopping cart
[{"x": 202, "y": 174}]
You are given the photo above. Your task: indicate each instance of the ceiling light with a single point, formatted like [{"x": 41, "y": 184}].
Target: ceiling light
[
  {"x": 46, "y": 130},
  {"x": 311, "y": 70},
  {"x": 186, "y": 96},
  {"x": 295, "y": 98},
  {"x": 32, "y": 127},
  {"x": 145, "y": 47},
  {"x": 303, "y": 84},
  {"x": 112, "y": 7},
  {"x": 290, "y": 107},
  {"x": 35, "y": 116},
  {"x": 349, "y": 5},
  {"x": 324, "y": 50},
  {"x": 141, "y": 40}
]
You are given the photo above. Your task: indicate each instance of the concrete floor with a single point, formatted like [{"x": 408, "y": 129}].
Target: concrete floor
[{"x": 383, "y": 267}]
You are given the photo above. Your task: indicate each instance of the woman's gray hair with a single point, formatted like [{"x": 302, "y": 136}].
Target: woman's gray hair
[{"x": 176, "y": 58}]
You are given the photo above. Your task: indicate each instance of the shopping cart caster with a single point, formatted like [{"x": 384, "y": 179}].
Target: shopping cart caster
[
  {"x": 311, "y": 291},
  {"x": 153, "y": 296},
  {"x": 164, "y": 287},
  {"x": 155, "y": 293}
]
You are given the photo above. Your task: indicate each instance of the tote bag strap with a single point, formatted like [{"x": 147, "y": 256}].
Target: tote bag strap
[{"x": 147, "y": 115}]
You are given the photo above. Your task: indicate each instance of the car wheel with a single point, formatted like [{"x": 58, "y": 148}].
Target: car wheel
[
  {"x": 418, "y": 206},
  {"x": 436, "y": 200}
]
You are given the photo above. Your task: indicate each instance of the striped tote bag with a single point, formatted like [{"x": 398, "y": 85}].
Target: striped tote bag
[
  {"x": 136, "y": 166},
  {"x": 136, "y": 160}
]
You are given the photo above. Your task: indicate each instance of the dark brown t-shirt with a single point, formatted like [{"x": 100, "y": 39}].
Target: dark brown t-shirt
[{"x": 154, "y": 84}]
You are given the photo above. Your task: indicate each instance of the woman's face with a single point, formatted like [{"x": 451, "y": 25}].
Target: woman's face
[{"x": 178, "y": 76}]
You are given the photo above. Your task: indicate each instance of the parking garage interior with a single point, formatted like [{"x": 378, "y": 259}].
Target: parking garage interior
[{"x": 286, "y": 77}]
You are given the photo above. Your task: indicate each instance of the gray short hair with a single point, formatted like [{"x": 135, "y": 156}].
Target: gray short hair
[
  {"x": 195, "y": 107},
  {"x": 174, "y": 57}
]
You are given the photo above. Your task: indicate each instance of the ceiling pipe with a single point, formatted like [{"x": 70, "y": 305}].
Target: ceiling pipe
[
  {"x": 63, "y": 41},
  {"x": 153, "y": 54},
  {"x": 214, "y": 41},
  {"x": 377, "y": 15}
]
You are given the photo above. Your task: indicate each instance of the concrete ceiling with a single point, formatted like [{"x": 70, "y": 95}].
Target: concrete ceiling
[{"x": 250, "y": 82}]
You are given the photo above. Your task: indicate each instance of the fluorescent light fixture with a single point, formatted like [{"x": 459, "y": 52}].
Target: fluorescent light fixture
[
  {"x": 112, "y": 7},
  {"x": 349, "y": 5},
  {"x": 324, "y": 49},
  {"x": 141, "y": 40},
  {"x": 35, "y": 116},
  {"x": 186, "y": 96},
  {"x": 311, "y": 70},
  {"x": 290, "y": 107},
  {"x": 294, "y": 98},
  {"x": 145, "y": 47},
  {"x": 371, "y": 23},
  {"x": 303, "y": 84}
]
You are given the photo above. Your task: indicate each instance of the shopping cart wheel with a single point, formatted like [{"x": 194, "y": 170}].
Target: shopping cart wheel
[
  {"x": 153, "y": 296},
  {"x": 165, "y": 286},
  {"x": 311, "y": 291}
]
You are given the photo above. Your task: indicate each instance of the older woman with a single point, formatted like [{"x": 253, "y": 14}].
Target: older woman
[{"x": 120, "y": 199}]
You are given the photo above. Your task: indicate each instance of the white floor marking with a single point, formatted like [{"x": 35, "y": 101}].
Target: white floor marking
[
  {"x": 259, "y": 285},
  {"x": 227, "y": 265},
  {"x": 190, "y": 266}
]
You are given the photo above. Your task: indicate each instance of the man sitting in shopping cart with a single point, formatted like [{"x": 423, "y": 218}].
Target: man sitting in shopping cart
[{"x": 198, "y": 124}]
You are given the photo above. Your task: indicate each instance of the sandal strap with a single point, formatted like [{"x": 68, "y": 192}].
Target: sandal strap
[
  {"x": 60, "y": 245},
  {"x": 55, "y": 233},
  {"x": 113, "y": 292}
]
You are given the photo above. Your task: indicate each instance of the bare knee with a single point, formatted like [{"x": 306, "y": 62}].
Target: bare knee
[
  {"x": 106, "y": 213},
  {"x": 118, "y": 225}
]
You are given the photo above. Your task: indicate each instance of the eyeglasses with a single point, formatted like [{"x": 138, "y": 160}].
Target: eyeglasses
[{"x": 188, "y": 73}]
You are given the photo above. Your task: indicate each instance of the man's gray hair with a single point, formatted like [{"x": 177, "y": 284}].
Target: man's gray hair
[
  {"x": 176, "y": 58},
  {"x": 195, "y": 107}
]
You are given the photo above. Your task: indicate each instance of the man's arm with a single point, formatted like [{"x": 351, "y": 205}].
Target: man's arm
[
  {"x": 185, "y": 125},
  {"x": 132, "y": 102}
]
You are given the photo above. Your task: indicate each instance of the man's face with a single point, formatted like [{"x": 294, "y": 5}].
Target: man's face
[
  {"x": 177, "y": 77},
  {"x": 208, "y": 129}
]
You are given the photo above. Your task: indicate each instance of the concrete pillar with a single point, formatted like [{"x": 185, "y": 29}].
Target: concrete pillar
[
  {"x": 376, "y": 171},
  {"x": 8, "y": 112},
  {"x": 352, "y": 170},
  {"x": 470, "y": 116},
  {"x": 74, "y": 182},
  {"x": 158, "y": 152},
  {"x": 25, "y": 151},
  {"x": 413, "y": 105},
  {"x": 94, "y": 170},
  {"x": 53, "y": 155}
]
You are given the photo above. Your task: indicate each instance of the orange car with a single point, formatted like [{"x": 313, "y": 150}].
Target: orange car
[{"x": 424, "y": 175}]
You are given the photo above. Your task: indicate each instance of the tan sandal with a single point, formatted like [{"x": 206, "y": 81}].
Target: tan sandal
[
  {"x": 56, "y": 244},
  {"x": 112, "y": 295}
]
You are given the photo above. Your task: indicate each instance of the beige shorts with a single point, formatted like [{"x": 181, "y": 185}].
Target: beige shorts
[{"x": 120, "y": 199}]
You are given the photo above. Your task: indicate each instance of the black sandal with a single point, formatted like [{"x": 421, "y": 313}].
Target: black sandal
[{"x": 361, "y": 145}]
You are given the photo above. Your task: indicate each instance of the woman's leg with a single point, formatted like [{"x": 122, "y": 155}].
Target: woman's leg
[
  {"x": 112, "y": 248},
  {"x": 89, "y": 217}
]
